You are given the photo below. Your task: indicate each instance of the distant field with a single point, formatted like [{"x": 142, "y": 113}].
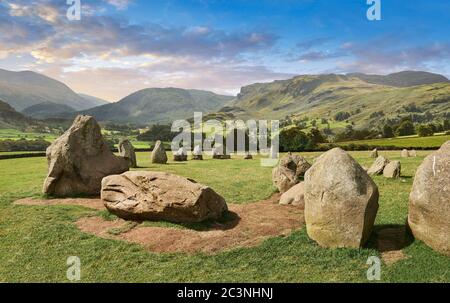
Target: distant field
[
  {"x": 13, "y": 134},
  {"x": 408, "y": 142}
]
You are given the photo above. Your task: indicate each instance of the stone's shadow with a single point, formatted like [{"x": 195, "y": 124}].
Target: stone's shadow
[
  {"x": 228, "y": 221},
  {"x": 390, "y": 237},
  {"x": 406, "y": 177}
]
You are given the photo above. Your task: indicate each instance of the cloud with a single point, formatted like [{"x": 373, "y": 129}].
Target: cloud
[
  {"x": 311, "y": 43},
  {"x": 119, "y": 4}
]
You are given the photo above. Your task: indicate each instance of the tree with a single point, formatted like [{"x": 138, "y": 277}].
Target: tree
[
  {"x": 425, "y": 130},
  {"x": 388, "y": 132},
  {"x": 316, "y": 136},
  {"x": 157, "y": 132},
  {"x": 406, "y": 128},
  {"x": 293, "y": 139},
  {"x": 342, "y": 116},
  {"x": 446, "y": 124}
]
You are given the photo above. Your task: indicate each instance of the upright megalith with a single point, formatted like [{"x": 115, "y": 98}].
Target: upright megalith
[
  {"x": 405, "y": 153},
  {"x": 378, "y": 166},
  {"x": 197, "y": 153},
  {"x": 161, "y": 196},
  {"x": 180, "y": 155},
  {"x": 341, "y": 201},
  {"x": 79, "y": 160},
  {"x": 289, "y": 171},
  {"x": 126, "y": 150},
  {"x": 393, "y": 170},
  {"x": 429, "y": 201},
  {"x": 159, "y": 155},
  {"x": 374, "y": 154}
]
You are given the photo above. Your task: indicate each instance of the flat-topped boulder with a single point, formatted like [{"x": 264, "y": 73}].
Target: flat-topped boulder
[
  {"x": 126, "y": 150},
  {"x": 79, "y": 160},
  {"x": 159, "y": 155},
  {"x": 429, "y": 201},
  {"x": 341, "y": 201},
  {"x": 159, "y": 196}
]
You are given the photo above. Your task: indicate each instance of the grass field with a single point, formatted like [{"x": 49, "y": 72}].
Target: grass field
[
  {"x": 35, "y": 241},
  {"x": 408, "y": 142}
]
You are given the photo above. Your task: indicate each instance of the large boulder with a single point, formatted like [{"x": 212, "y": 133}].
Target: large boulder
[
  {"x": 429, "y": 201},
  {"x": 393, "y": 170},
  {"x": 79, "y": 160},
  {"x": 341, "y": 201},
  {"x": 159, "y": 155},
  {"x": 378, "y": 166},
  {"x": 126, "y": 150},
  {"x": 295, "y": 196},
  {"x": 160, "y": 196},
  {"x": 289, "y": 171}
]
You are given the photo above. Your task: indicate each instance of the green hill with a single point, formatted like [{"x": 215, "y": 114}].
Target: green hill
[
  {"x": 11, "y": 119},
  {"x": 324, "y": 96},
  {"x": 159, "y": 105},
  {"x": 26, "y": 88}
]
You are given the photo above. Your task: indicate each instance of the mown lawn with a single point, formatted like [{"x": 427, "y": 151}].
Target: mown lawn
[{"x": 35, "y": 241}]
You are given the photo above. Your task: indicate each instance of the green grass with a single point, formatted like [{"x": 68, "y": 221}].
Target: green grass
[
  {"x": 409, "y": 141},
  {"x": 36, "y": 240}
]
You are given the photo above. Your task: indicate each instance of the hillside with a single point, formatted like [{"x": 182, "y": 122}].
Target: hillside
[
  {"x": 323, "y": 96},
  {"x": 159, "y": 105},
  {"x": 94, "y": 100},
  {"x": 26, "y": 88},
  {"x": 47, "y": 110},
  {"x": 402, "y": 79},
  {"x": 11, "y": 119}
]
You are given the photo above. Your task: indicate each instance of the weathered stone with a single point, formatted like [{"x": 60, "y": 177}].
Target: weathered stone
[
  {"x": 341, "y": 201},
  {"x": 295, "y": 196},
  {"x": 405, "y": 153},
  {"x": 393, "y": 170},
  {"x": 289, "y": 171},
  {"x": 79, "y": 159},
  {"x": 374, "y": 154},
  {"x": 429, "y": 201},
  {"x": 412, "y": 153},
  {"x": 159, "y": 155},
  {"x": 160, "y": 196},
  {"x": 378, "y": 166},
  {"x": 126, "y": 150},
  {"x": 197, "y": 154},
  {"x": 180, "y": 155}
]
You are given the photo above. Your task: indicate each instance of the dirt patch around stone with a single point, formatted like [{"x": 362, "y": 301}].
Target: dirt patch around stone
[
  {"x": 93, "y": 203},
  {"x": 246, "y": 226},
  {"x": 390, "y": 242}
]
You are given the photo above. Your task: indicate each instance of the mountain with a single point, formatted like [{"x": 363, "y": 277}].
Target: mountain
[
  {"x": 159, "y": 105},
  {"x": 10, "y": 118},
  {"x": 47, "y": 110},
  {"x": 402, "y": 79},
  {"x": 94, "y": 100},
  {"x": 323, "y": 96},
  {"x": 27, "y": 88}
]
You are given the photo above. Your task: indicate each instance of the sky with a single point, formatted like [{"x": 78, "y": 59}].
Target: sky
[{"x": 121, "y": 46}]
